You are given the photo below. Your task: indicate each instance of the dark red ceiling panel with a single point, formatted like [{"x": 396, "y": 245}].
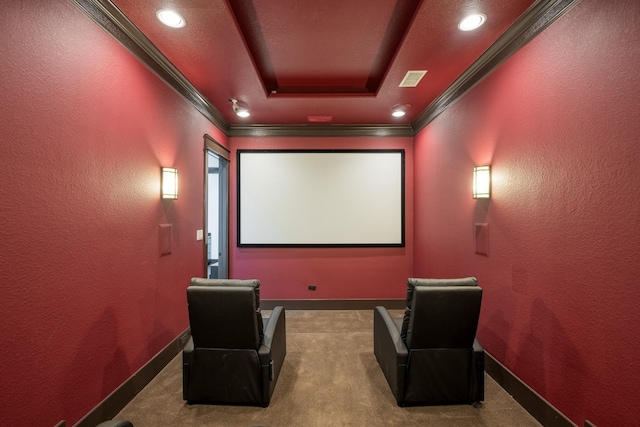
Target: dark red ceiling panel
[{"x": 329, "y": 47}]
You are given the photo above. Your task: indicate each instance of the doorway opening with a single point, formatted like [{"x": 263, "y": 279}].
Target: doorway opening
[{"x": 216, "y": 209}]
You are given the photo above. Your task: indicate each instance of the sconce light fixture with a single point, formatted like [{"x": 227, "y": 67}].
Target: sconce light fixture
[
  {"x": 482, "y": 182},
  {"x": 169, "y": 183},
  {"x": 239, "y": 108}
]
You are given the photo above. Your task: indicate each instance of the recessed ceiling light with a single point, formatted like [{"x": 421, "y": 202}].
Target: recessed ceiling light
[
  {"x": 472, "y": 22},
  {"x": 400, "y": 110},
  {"x": 170, "y": 18}
]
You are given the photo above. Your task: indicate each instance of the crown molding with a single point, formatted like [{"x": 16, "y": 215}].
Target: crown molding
[
  {"x": 320, "y": 131},
  {"x": 113, "y": 21},
  {"x": 538, "y": 17}
]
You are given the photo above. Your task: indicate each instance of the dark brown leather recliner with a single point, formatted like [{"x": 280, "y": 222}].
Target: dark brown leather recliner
[
  {"x": 233, "y": 356},
  {"x": 431, "y": 355}
]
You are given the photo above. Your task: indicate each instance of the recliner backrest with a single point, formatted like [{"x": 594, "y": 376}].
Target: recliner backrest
[
  {"x": 441, "y": 313},
  {"x": 225, "y": 313}
]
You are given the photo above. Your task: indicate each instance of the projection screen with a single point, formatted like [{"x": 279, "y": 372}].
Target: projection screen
[{"x": 320, "y": 198}]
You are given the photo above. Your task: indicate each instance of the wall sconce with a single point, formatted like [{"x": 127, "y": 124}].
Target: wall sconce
[
  {"x": 482, "y": 182},
  {"x": 169, "y": 183},
  {"x": 239, "y": 108}
]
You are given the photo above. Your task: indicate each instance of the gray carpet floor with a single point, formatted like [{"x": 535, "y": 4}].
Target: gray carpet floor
[{"x": 330, "y": 377}]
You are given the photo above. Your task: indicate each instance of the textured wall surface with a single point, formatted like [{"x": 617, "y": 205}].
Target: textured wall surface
[
  {"x": 86, "y": 297},
  {"x": 558, "y": 122},
  {"x": 338, "y": 273}
]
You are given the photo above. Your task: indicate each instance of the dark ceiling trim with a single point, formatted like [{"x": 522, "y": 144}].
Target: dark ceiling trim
[
  {"x": 320, "y": 131},
  {"x": 116, "y": 23},
  {"x": 538, "y": 17},
  {"x": 248, "y": 25},
  {"x": 112, "y": 20}
]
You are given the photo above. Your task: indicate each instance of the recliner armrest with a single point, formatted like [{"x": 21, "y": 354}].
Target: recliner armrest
[
  {"x": 187, "y": 350},
  {"x": 390, "y": 332},
  {"x": 272, "y": 352},
  {"x": 478, "y": 358},
  {"x": 477, "y": 347},
  {"x": 274, "y": 347},
  {"x": 187, "y": 353},
  {"x": 274, "y": 333},
  {"x": 390, "y": 351}
]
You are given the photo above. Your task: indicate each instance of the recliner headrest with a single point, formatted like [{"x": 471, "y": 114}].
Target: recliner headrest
[
  {"x": 255, "y": 284},
  {"x": 236, "y": 283},
  {"x": 413, "y": 282}
]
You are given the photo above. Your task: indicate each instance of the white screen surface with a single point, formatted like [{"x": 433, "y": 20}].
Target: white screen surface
[{"x": 321, "y": 198}]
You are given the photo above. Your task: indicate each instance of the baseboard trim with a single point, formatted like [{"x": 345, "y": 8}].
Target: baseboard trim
[
  {"x": 120, "y": 397},
  {"x": 536, "y": 405},
  {"x": 332, "y": 304}
]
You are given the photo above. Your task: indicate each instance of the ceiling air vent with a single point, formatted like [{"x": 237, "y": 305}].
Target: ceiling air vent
[
  {"x": 412, "y": 78},
  {"x": 320, "y": 119}
]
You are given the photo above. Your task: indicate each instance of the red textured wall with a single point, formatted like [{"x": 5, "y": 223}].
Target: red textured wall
[
  {"x": 338, "y": 273},
  {"x": 86, "y": 297},
  {"x": 559, "y": 124}
]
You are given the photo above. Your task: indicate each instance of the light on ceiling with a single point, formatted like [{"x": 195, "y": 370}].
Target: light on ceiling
[
  {"x": 171, "y": 18},
  {"x": 239, "y": 108},
  {"x": 169, "y": 183},
  {"x": 400, "y": 110},
  {"x": 472, "y": 22},
  {"x": 482, "y": 182}
]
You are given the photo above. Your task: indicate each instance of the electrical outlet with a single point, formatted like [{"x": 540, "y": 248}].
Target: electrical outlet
[{"x": 312, "y": 287}]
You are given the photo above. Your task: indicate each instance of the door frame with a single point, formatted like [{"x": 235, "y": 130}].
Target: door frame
[{"x": 211, "y": 146}]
